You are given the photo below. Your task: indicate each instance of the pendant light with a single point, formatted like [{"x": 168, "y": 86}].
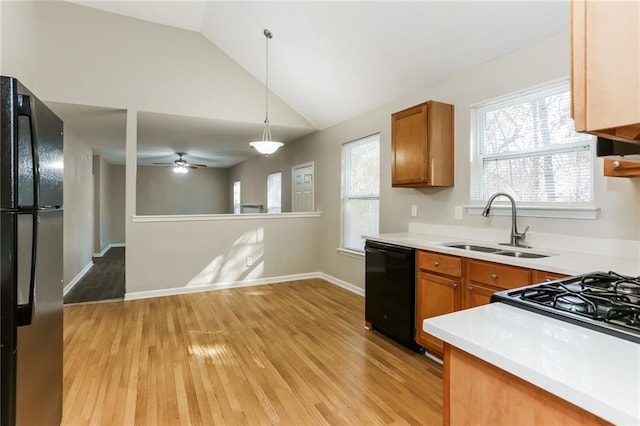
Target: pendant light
[{"x": 266, "y": 146}]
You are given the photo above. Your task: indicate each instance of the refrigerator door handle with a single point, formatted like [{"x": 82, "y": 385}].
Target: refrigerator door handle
[
  {"x": 25, "y": 109},
  {"x": 25, "y": 310}
]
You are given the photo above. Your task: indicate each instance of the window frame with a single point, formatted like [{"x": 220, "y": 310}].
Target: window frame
[
  {"x": 279, "y": 207},
  {"x": 478, "y": 159},
  {"x": 345, "y": 197},
  {"x": 236, "y": 206}
]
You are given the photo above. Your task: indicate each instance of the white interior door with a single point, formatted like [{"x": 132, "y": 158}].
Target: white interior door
[{"x": 302, "y": 187}]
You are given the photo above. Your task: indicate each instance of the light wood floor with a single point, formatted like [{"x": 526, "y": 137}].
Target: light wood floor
[{"x": 294, "y": 353}]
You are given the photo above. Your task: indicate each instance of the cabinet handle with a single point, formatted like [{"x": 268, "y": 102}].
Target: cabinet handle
[
  {"x": 436, "y": 263},
  {"x": 454, "y": 285},
  {"x": 470, "y": 288},
  {"x": 494, "y": 277}
]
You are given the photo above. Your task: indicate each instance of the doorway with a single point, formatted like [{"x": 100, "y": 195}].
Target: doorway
[{"x": 302, "y": 187}]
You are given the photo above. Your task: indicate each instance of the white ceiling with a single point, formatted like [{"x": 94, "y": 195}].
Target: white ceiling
[
  {"x": 332, "y": 61},
  {"x": 215, "y": 143}
]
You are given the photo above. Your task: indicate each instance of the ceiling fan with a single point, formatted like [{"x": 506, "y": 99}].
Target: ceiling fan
[{"x": 180, "y": 165}]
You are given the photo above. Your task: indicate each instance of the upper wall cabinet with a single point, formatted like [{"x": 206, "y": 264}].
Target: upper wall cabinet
[
  {"x": 422, "y": 146},
  {"x": 605, "y": 68}
]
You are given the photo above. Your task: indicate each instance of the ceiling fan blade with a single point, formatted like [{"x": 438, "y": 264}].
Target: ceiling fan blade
[
  {"x": 163, "y": 164},
  {"x": 196, "y": 166}
]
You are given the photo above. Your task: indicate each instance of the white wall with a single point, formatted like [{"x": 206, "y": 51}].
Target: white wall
[
  {"x": 190, "y": 254},
  {"x": 253, "y": 174},
  {"x": 108, "y": 205},
  {"x": 105, "y": 223},
  {"x": 159, "y": 191},
  {"x": 619, "y": 199},
  {"x": 75, "y": 54},
  {"x": 78, "y": 205},
  {"x": 115, "y": 200},
  {"x": 80, "y": 55}
]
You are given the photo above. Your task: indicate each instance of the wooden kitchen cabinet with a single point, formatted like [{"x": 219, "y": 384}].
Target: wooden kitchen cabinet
[
  {"x": 423, "y": 146},
  {"x": 435, "y": 296},
  {"x": 438, "y": 292},
  {"x": 478, "y": 294},
  {"x": 605, "y": 81},
  {"x": 478, "y": 393},
  {"x": 542, "y": 276},
  {"x": 485, "y": 278},
  {"x": 446, "y": 283}
]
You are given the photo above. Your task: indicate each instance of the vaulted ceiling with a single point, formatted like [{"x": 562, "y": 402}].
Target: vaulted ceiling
[{"x": 333, "y": 60}]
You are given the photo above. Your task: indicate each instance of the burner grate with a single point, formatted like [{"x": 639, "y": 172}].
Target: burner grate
[{"x": 605, "y": 297}]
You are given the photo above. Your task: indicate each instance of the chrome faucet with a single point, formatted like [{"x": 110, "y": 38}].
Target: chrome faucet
[{"x": 516, "y": 237}]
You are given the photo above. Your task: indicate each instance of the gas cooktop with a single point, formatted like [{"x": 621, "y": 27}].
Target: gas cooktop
[{"x": 603, "y": 301}]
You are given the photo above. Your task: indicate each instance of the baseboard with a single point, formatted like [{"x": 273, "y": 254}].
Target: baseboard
[
  {"x": 340, "y": 283},
  {"x": 236, "y": 284},
  {"x": 219, "y": 286},
  {"x": 106, "y": 249},
  {"x": 67, "y": 288}
]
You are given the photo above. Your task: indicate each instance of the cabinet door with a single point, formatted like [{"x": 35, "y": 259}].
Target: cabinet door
[
  {"x": 435, "y": 296},
  {"x": 423, "y": 146},
  {"x": 477, "y": 294},
  {"x": 409, "y": 146},
  {"x": 605, "y": 46}
]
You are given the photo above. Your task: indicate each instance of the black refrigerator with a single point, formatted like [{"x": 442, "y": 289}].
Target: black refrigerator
[{"x": 31, "y": 170}]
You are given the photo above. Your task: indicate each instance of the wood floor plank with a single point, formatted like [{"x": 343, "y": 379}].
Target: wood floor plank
[
  {"x": 283, "y": 354},
  {"x": 104, "y": 281}
]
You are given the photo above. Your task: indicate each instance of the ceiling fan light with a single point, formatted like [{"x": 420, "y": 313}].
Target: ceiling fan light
[
  {"x": 266, "y": 147},
  {"x": 179, "y": 169}
]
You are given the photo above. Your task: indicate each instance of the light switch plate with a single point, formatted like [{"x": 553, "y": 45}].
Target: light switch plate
[{"x": 414, "y": 210}]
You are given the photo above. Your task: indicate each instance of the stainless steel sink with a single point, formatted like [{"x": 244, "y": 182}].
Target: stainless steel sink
[
  {"x": 472, "y": 247},
  {"x": 494, "y": 250},
  {"x": 522, "y": 254}
]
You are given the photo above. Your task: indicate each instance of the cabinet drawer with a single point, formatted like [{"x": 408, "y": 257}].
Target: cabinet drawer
[
  {"x": 498, "y": 275},
  {"x": 441, "y": 263}
]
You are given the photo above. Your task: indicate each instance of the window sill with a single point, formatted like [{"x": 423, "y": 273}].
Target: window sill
[
  {"x": 350, "y": 253},
  {"x": 555, "y": 212}
]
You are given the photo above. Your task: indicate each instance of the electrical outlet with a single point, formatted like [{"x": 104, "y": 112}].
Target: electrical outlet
[
  {"x": 414, "y": 210},
  {"x": 458, "y": 213},
  {"x": 249, "y": 261}
]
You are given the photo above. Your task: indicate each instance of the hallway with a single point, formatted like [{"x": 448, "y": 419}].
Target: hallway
[{"x": 104, "y": 281}]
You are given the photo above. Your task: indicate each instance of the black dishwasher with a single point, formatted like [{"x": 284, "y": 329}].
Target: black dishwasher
[{"x": 390, "y": 297}]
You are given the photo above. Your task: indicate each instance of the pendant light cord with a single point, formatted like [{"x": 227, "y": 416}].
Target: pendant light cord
[{"x": 266, "y": 134}]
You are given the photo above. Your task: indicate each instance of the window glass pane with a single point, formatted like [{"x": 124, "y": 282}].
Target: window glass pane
[
  {"x": 561, "y": 177},
  {"x": 527, "y": 147},
  {"x": 274, "y": 192},
  {"x": 361, "y": 191},
  {"x": 361, "y": 218},
  {"x": 364, "y": 167},
  {"x": 533, "y": 124},
  {"x": 236, "y": 196}
]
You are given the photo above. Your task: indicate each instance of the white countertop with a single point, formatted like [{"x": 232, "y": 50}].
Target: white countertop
[
  {"x": 595, "y": 371},
  {"x": 560, "y": 261}
]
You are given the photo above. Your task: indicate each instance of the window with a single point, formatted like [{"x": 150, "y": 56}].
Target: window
[
  {"x": 360, "y": 190},
  {"x": 274, "y": 192},
  {"x": 236, "y": 197},
  {"x": 526, "y": 145}
]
